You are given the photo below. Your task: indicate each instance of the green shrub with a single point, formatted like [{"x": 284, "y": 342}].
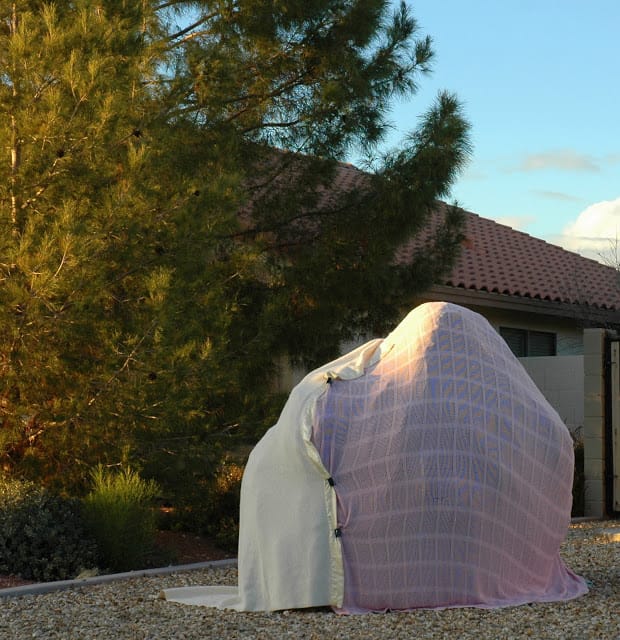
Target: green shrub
[
  {"x": 224, "y": 522},
  {"x": 42, "y": 535},
  {"x": 213, "y": 508},
  {"x": 120, "y": 515}
]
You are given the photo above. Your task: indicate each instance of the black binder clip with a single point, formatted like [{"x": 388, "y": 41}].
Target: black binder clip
[
  {"x": 330, "y": 482},
  {"x": 338, "y": 532}
]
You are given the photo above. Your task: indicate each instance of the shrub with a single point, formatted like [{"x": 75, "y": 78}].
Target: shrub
[
  {"x": 213, "y": 508},
  {"x": 120, "y": 515},
  {"x": 224, "y": 521},
  {"x": 42, "y": 535}
]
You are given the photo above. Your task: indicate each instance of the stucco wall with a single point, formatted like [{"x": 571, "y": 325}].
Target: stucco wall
[
  {"x": 560, "y": 378},
  {"x": 568, "y": 336},
  {"x": 594, "y": 423}
]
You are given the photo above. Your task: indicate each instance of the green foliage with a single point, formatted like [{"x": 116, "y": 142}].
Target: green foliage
[
  {"x": 224, "y": 525},
  {"x": 317, "y": 79},
  {"x": 75, "y": 237},
  {"x": 42, "y": 535},
  {"x": 157, "y": 255},
  {"x": 120, "y": 515},
  {"x": 214, "y": 509}
]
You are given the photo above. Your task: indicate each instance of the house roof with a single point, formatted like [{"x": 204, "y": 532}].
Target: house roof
[
  {"x": 497, "y": 259},
  {"x": 498, "y": 263}
]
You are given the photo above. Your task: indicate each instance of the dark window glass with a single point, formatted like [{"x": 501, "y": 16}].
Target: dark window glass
[
  {"x": 540, "y": 343},
  {"x": 516, "y": 339},
  {"x": 529, "y": 343}
]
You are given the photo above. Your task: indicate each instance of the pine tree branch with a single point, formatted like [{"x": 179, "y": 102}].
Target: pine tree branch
[
  {"x": 124, "y": 366},
  {"x": 174, "y": 38}
]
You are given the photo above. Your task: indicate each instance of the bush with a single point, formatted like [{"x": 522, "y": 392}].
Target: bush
[
  {"x": 42, "y": 535},
  {"x": 212, "y": 509},
  {"x": 120, "y": 515},
  {"x": 224, "y": 522}
]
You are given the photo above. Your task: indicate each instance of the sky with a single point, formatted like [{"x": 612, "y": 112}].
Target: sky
[{"x": 539, "y": 81}]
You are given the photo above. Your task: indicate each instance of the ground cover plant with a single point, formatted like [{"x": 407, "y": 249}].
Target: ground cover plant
[{"x": 42, "y": 535}]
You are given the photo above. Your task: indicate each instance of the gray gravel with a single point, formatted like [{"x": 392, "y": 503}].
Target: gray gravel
[{"x": 133, "y": 609}]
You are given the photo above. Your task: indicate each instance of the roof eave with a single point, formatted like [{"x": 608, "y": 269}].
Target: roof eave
[{"x": 584, "y": 315}]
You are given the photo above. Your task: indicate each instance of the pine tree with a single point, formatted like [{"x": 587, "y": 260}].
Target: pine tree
[
  {"x": 76, "y": 232},
  {"x": 293, "y": 261},
  {"x": 174, "y": 216},
  {"x": 315, "y": 81}
]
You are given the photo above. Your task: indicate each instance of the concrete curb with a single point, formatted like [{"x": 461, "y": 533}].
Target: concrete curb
[{"x": 59, "y": 585}]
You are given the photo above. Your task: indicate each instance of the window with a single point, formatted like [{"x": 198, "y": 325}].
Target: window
[{"x": 529, "y": 343}]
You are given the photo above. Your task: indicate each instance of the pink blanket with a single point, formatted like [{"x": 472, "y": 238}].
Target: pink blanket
[{"x": 452, "y": 472}]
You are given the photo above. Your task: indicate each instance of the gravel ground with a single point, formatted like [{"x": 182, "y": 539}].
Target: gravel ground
[{"x": 133, "y": 610}]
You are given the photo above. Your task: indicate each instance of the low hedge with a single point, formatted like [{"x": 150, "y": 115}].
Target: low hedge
[{"x": 42, "y": 535}]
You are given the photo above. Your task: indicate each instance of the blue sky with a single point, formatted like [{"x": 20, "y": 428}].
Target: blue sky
[{"x": 540, "y": 84}]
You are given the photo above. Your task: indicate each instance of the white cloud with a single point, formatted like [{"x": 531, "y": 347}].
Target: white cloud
[
  {"x": 596, "y": 231},
  {"x": 561, "y": 159},
  {"x": 556, "y": 195}
]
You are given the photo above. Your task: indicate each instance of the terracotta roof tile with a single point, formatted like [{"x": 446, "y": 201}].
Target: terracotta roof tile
[{"x": 498, "y": 259}]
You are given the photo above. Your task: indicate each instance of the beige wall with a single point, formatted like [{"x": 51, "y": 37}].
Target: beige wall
[
  {"x": 569, "y": 337},
  {"x": 594, "y": 422},
  {"x": 516, "y": 312},
  {"x": 560, "y": 378}
]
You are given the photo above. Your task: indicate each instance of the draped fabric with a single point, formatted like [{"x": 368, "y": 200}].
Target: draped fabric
[
  {"x": 453, "y": 474},
  {"x": 288, "y": 554},
  {"x": 423, "y": 470}
]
